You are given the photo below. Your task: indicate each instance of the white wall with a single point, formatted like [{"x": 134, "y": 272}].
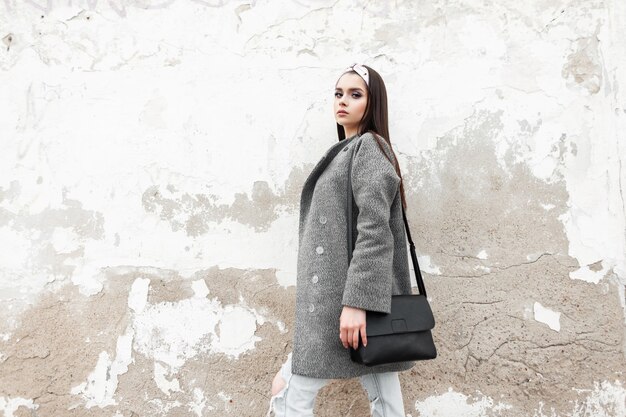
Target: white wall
[{"x": 152, "y": 159}]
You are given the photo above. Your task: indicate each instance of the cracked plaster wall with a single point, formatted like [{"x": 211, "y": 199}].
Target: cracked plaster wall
[{"x": 152, "y": 159}]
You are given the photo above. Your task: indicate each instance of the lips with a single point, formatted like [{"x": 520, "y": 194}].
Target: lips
[{"x": 342, "y": 112}]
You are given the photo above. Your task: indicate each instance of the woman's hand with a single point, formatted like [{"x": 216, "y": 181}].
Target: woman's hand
[{"x": 351, "y": 322}]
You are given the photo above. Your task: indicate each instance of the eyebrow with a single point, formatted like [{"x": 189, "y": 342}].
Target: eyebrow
[{"x": 341, "y": 89}]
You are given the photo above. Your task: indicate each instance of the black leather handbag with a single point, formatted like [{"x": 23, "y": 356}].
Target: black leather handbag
[{"x": 405, "y": 333}]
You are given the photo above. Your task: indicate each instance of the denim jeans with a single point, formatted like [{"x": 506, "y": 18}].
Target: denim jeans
[{"x": 297, "y": 397}]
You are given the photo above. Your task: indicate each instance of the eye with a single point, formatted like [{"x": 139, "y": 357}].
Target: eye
[
  {"x": 356, "y": 95},
  {"x": 336, "y": 94}
]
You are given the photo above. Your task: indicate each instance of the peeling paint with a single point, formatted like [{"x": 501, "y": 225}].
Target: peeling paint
[
  {"x": 138, "y": 297},
  {"x": 160, "y": 378},
  {"x": 605, "y": 399},
  {"x": 10, "y": 405},
  {"x": 200, "y": 289},
  {"x": 149, "y": 192},
  {"x": 199, "y": 403},
  {"x": 585, "y": 273},
  {"x": 174, "y": 332},
  {"x": 547, "y": 316},
  {"x": 426, "y": 264},
  {"x": 99, "y": 390},
  {"x": 453, "y": 403},
  {"x": 583, "y": 66}
]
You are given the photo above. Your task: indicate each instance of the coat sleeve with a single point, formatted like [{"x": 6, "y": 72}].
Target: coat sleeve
[{"x": 374, "y": 183}]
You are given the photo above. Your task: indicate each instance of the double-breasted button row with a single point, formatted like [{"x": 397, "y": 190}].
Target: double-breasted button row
[{"x": 320, "y": 250}]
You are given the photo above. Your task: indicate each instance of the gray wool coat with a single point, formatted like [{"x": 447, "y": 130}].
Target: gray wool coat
[{"x": 325, "y": 281}]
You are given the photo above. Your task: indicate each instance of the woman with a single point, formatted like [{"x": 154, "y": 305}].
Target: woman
[{"x": 332, "y": 295}]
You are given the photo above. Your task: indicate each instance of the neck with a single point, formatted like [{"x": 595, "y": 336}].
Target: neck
[{"x": 349, "y": 131}]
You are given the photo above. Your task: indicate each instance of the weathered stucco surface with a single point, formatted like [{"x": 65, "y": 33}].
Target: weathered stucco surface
[{"x": 152, "y": 159}]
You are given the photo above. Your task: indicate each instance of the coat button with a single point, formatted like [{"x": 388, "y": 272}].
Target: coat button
[
  {"x": 311, "y": 308},
  {"x": 314, "y": 279},
  {"x": 319, "y": 250},
  {"x": 345, "y": 149},
  {"x": 323, "y": 219}
]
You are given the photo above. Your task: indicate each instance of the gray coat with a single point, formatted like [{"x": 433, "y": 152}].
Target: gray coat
[{"x": 325, "y": 281}]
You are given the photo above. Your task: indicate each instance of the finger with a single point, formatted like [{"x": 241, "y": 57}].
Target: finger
[
  {"x": 349, "y": 339},
  {"x": 355, "y": 339},
  {"x": 344, "y": 337},
  {"x": 364, "y": 335}
]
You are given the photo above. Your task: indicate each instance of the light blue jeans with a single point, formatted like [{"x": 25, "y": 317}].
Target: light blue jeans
[{"x": 297, "y": 397}]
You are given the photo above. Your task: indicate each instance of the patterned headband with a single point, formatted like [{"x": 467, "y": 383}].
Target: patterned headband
[{"x": 361, "y": 70}]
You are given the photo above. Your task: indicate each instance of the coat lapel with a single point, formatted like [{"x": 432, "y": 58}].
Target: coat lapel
[{"x": 309, "y": 183}]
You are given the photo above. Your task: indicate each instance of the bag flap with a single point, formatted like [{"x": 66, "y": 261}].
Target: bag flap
[{"x": 409, "y": 313}]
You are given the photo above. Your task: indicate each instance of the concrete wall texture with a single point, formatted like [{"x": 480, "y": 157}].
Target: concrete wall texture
[{"x": 153, "y": 153}]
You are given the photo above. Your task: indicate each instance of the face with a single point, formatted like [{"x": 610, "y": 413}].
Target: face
[{"x": 351, "y": 98}]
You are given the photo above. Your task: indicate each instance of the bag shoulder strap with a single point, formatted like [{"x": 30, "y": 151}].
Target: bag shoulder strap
[{"x": 350, "y": 202}]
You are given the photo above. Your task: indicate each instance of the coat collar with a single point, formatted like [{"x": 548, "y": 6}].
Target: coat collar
[
  {"x": 309, "y": 183},
  {"x": 324, "y": 161}
]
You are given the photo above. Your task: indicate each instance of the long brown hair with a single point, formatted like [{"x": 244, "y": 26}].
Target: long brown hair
[{"x": 375, "y": 120}]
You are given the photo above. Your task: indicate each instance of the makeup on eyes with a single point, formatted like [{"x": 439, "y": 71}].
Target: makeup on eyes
[{"x": 358, "y": 95}]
